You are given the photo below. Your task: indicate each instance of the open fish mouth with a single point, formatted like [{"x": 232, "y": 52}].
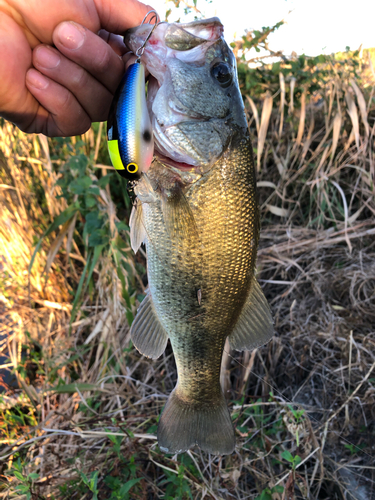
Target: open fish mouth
[
  {"x": 166, "y": 151},
  {"x": 181, "y": 93}
]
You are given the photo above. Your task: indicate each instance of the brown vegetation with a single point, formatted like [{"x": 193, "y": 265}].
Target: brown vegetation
[{"x": 86, "y": 405}]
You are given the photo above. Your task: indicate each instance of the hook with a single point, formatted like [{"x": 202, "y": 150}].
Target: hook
[{"x": 154, "y": 17}]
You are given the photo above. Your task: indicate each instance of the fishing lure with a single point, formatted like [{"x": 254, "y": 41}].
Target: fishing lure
[{"x": 129, "y": 129}]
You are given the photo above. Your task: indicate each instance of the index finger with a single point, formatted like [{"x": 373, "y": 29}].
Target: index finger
[{"x": 118, "y": 16}]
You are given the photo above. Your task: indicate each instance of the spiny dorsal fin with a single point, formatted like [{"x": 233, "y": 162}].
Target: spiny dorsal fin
[
  {"x": 137, "y": 228},
  {"x": 147, "y": 334},
  {"x": 255, "y": 325}
]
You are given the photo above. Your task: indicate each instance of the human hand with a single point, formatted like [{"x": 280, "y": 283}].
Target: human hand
[{"x": 72, "y": 84}]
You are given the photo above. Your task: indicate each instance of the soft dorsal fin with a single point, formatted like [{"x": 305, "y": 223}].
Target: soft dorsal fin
[
  {"x": 147, "y": 333},
  {"x": 255, "y": 325},
  {"x": 137, "y": 227}
]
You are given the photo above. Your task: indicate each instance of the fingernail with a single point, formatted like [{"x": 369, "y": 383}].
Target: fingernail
[
  {"x": 71, "y": 35},
  {"x": 36, "y": 79},
  {"x": 46, "y": 57}
]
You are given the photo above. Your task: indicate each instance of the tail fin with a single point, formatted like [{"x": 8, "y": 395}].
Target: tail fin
[{"x": 183, "y": 425}]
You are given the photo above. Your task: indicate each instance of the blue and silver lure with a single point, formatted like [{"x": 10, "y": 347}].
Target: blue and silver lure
[{"x": 129, "y": 129}]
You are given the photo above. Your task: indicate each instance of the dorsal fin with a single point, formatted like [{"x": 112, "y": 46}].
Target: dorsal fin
[
  {"x": 254, "y": 327},
  {"x": 147, "y": 333}
]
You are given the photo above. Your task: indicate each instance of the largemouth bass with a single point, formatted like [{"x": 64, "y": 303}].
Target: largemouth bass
[{"x": 197, "y": 211}]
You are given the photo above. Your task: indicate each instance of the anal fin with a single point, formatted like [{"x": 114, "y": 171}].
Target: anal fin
[
  {"x": 254, "y": 327},
  {"x": 147, "y": 333}
]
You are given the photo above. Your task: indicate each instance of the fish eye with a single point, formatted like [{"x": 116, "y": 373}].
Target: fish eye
[
  {"x": 222, "y": 73},
  {"x": 132, "y": 168}
]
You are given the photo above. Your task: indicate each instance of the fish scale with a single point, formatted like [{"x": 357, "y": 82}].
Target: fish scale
[{"x": 226, "y": 266}]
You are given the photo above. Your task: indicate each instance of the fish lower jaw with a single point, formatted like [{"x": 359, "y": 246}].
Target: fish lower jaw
[
  {"x": 170, "y": 162},
  {"x": 169, "y": 153},
  {"x": 187, "y": 173}
]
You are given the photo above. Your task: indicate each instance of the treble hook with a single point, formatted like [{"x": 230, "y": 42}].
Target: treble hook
[{"x": 154, "y": 17}]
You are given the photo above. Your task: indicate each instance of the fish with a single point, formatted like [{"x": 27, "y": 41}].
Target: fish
[{"x": 197, "y": 212}]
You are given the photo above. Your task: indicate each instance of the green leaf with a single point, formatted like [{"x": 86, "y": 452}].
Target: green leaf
[
  {"x": 94, "y": 190},
  {"x": 242, "y": 429},
  {"x": 94, "y": 481},
  {"x": 84, "y": 478},
  {"x": 121, "y": 226},
  {"x": 97, "y": 254},
  {"x": 17, "y": 418},
  {"x": 104, "y": 181},
  {"x": 98, "y": 238},
  {"x": 90, "y": 201},
  {"x": 18, "y": 475},
  {"x": 129, "y": 317},
  {"x": 93, "y": 221},
  {"x": 287, "y": 456},
  {"x": 24, "y": 489},
  {"x": 265, "y": 495},
  {"x": 80, "y": 185},
  {"x": 78, "y": 164},
  {"x": 123, "y": 286},
  {"x": 128, "y": 485}
]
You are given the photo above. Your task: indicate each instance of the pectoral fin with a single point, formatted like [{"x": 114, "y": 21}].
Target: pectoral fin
[
  {"x": 255, "y": 325},
  {"x": 147, "y": 333},
  {"x": 179, "y": 218},
  {"x": 137, "y": 227}
]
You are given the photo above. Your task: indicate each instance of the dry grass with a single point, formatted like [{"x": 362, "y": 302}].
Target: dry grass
[{"x": 92, "y": 402}]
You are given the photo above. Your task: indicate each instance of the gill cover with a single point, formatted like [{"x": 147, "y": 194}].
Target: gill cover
[{"x": 129, "y": 130}]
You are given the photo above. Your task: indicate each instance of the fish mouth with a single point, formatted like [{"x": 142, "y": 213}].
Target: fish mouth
[
  {"x": 166, "y": 151},
  {"x": 170, "y": 162},
  {"x": 174, "y": 144}
]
